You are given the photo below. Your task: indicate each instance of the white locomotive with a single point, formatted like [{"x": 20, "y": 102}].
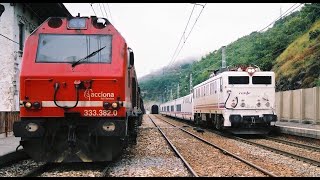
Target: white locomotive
[{"x": 241, "y": 100}]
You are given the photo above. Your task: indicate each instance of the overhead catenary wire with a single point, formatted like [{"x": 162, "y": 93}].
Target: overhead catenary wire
[
  {"x": 284, "y": 14},
  {"x": 109, "y": 12},
  {"x": 278, "y": 50},
  {"x": 101, "y": 10},
  {"x": 105, "y": 11},
  {"x": 183, "y": 34},
  {"x": 8, "y": 38},
  {"x": 187, "y": 36},
  {"x": 33, "y": 11},
  {"x": 92, "y": 8}
]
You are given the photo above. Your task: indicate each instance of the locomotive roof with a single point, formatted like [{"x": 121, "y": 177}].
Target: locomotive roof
[{"x": 232, "y": 73}]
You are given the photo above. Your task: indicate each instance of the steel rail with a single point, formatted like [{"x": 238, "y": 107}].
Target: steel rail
[
  {"x": 175, "y": 150},
  {"x": 314, "y": 148},
  {"x": 37, "y": 170},
  {"x": 13, "y": 157},
  {"x": 105, "y": 171},
  {"x": 225, "y": 151},
  {"x": 308, "y": 160}
]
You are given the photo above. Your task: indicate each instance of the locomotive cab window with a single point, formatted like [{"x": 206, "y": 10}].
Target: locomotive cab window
[
  {"x": 238, "y": 79},
  {"x": 63, "y": 48},
  {"x": 261, "y": 80}
]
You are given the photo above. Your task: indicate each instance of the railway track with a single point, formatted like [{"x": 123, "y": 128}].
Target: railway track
[
  {"x": 224, "y": 151},
  {"x": 286, "y": 153},
  {"x": 290, "y": 154},
  {"x": 39, "y": 170},
  {"x": 69, "y": 170},
  {"x": 176, "y": 150},
  {"x": 13, "y": 157},
  {"x": 291, "y": 143}
]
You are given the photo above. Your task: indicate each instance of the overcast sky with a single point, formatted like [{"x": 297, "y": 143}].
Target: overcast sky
[{"x": 153, "y": 30}]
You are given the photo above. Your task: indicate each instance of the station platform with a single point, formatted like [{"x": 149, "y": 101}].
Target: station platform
[
  {"x": 299, "y": 129},
  {"x": 8, "y": 144}
]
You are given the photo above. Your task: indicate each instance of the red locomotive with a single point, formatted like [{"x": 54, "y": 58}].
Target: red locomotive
[{"x": 79, "y": 95}]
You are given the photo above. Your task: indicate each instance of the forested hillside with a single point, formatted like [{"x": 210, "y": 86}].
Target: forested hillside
[{"x": 290, "y": 48}]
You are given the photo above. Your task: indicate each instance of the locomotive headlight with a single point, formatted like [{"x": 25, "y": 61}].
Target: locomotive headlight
[
  {"x": 106, "y": 104},
  {"x": 109, "y": 126},
  {"x": 28, "y": 105},
  {"x": 121, "y": 103},
  {"x": 32, "y": 127},
  {"x": 267, "y": 104},
  {"x": 114, "y": 105},
  {"x": 242, "y": 103},
  {"x": 233, "y": 104},
  {"x": 250, "y": 70},
  {"x": 258, "y": 104},
  {"x": 36, "y": 105},
  {"x": 77, "y": 23}
]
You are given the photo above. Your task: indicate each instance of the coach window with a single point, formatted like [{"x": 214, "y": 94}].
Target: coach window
[
  {"x": 178, "y": 107},
  {"x": 172, "y": 108},
  {"x": 215, "y": 87},
  {"x": 202, "y": 91}
]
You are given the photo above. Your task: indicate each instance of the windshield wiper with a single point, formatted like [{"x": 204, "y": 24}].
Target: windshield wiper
[{"x": 90, "y": 55}]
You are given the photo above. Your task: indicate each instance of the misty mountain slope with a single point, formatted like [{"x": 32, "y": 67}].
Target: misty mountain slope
[{"x": 272, "y": 49}]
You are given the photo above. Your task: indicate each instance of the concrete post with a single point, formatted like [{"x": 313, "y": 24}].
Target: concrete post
[
  {"x": 223, "y": 65},
  {"x": 302, "y": 105},
  {"x": 316, "y": 105},
  {"x": 291, "y": 105},
  {"x": 281, "y": 105}
]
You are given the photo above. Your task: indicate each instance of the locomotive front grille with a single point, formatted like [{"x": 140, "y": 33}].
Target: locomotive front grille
[{"x": 252, "y": 120}]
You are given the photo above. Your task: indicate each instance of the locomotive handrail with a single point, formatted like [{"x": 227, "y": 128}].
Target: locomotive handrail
[
  {"x": 56, "y": 87},
  {"x": 225, "y": 104}
]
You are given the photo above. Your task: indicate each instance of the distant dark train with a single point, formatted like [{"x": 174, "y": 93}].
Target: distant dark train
[
  {"x": 154, "y": 109},
  {"x": 79, "y": 95}
]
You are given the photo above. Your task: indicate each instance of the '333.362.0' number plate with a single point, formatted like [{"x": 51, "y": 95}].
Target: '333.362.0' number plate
[{"x": 101, "y": 112}]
